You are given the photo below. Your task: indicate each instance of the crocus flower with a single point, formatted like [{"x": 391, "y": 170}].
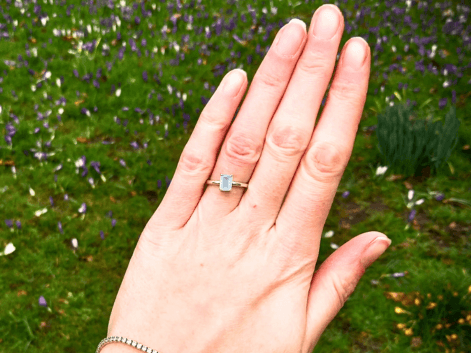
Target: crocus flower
[
  {"x": 83, "y": 208},
  {"x": 345, "y": 194},
  {"x": 412, "y": 215},
  {"x": 113, "y": 222},
  {"x": 102, "y": 235},
  {"x": 42, "y": 301},
  {"x": 74, "y": 243},
  {"x": 439, "y": 197},
  {"x": 59, "y": 225}
]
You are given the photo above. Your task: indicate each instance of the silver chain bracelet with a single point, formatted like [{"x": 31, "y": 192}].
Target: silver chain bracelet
[{"x": 124, "y": 340}]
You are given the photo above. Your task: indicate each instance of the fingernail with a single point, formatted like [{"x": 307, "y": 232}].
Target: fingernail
[
  {"x": 233, "y": 82},
  {"x": 326, "y": 21},
  {"x": 374, "y": 250},
  {"x": 356, "y": 53},
  {"x": 291, "y": 37}
]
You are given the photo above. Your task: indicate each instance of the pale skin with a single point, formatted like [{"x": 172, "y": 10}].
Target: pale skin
[{"x": 235, "y": 271}]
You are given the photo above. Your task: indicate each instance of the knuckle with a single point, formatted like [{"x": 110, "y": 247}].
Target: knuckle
[
  {"x": 288, "y": 140},
  {"x": 315, "y": 65},
  {"x": 242, "y": 150},
  {"x": 267, "y": 78},
  {"x": 325, "y": 161},
  {"x": 346, "y": 91},
  {"x": 193, "y": 164},
  {"x": 343, "y": 288},
  {"x": 213, "y": 119}
]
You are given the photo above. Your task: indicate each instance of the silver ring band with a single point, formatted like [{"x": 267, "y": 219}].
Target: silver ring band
[{"x": 226, "y": 183}]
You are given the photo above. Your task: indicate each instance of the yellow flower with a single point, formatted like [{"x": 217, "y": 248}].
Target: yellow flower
[
  {"x": 454, "y": 336},
  {"x": 431, "y": 305},
  {"x": 408, "y": 332},
  {"x": 461, "y": 321},
  {"x": 455, "y": 294},
  {"x": 417, "y": 301},
  {"x": 439, "y": 326},
  {"x": 430, "y": 295},
  {"x": 469, "y": 289},
  {"x": 399, "y": 310},
  {"x": 401, "y": 326}
]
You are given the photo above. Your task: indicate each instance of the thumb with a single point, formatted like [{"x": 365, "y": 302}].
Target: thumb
[{"x": 336, "y": 279}]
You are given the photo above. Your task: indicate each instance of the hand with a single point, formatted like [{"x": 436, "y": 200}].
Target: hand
[{"x": 233, "y": 271}]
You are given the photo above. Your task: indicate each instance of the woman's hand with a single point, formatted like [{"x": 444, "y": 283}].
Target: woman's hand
[{"x": 233, "y": 271}]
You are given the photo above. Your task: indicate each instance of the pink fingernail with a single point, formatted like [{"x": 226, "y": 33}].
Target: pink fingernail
[
  {"x": 374, "y": 250},
  {"x": 327, "y": 22},
  {"x": 291, "y": 38},
  {"x": 233, "y": 82},
  {"x": 356, "y": 53}
]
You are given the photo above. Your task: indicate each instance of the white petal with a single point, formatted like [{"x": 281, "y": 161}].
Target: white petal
[
  {"x": 118, "y": 92},
  {"x": 334, "y": 246},
  {"x": 38, "y": 213},
  {"x": 47, "y": 74},
  {"x": 329, "y": 234},
  {"x": 31, "y": 192},
  {"x": 9, "y": 249},
  {"x": 410, "y": 194},
  {"x": 61, "y": 111},
  {"x": 58, "y": 82},
  {"x": 420, "y": 202},
  {"x": 74, "y": 243}
]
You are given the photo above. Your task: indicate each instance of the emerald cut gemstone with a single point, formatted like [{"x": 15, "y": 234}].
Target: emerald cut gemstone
[{"x": 225, "y": 183}]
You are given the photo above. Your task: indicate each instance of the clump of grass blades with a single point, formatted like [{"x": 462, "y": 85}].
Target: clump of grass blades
[{"x": 409, "y": 145}]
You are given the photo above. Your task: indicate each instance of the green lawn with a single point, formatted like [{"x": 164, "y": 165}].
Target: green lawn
[{"x": 98, "y": 100}]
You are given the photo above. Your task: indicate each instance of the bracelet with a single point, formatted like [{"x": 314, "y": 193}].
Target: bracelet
[{"x": 127, "y": 341}]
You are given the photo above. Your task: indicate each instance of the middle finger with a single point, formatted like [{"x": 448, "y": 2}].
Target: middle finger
[
  {"x": 243, "y": 144},
  {"x": 291, "y": 128}
]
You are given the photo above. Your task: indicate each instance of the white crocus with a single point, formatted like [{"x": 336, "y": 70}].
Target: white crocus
[
  {"x": 31, "y": 192},
  {"x": 329, "y": 234},
  {"x": 381, "y": 170},
  {"x": 58, "y": 82},
  {"x": 334, "y": 246},
  {"x": 8, "y": 249},
  {"x": 74, "y": 243},
  {"x": 118, "y": 92},
  {"x": 61, "y": 111},
  {"x": 419, "y": 202},
  {"x": 39, "y": 213},
  {"x": 410, "y": 195}
]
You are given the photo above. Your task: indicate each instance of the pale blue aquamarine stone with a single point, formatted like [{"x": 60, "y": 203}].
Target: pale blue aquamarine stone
[{"x": 225, "y": 182}]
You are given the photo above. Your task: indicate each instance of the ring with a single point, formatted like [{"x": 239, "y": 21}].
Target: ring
[{"x": 226, "y": 183}]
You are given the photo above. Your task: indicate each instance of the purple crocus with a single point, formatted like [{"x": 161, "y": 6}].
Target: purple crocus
[
  {"x": 59, "y": 225},
  {"x": 42, "y": 301},
  {"x": 145, "y": 76},
  {"x": 102, "y": 235},
  {"x": 439, "y": 197},
  {"x": 345, "y": 194},
  {"x": 96, "y": 166},
  {"x": 9, "y": 223},
  {"x": 113, "y": 222},
  {"x": 442, "y": 103},
  {"x": 122, "y": 162},
  {"x": 412, "y": 215},
  {"x": 18, "y": 224},
  {"x": 51, "y": 201}
]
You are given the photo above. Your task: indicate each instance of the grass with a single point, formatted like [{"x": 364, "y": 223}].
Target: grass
[{"x": 431, "y": 252}]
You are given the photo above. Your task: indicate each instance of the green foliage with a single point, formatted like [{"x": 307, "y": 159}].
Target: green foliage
[
  {"x": 442, "y": 317},
  {"x": 410, "y": 145}
]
